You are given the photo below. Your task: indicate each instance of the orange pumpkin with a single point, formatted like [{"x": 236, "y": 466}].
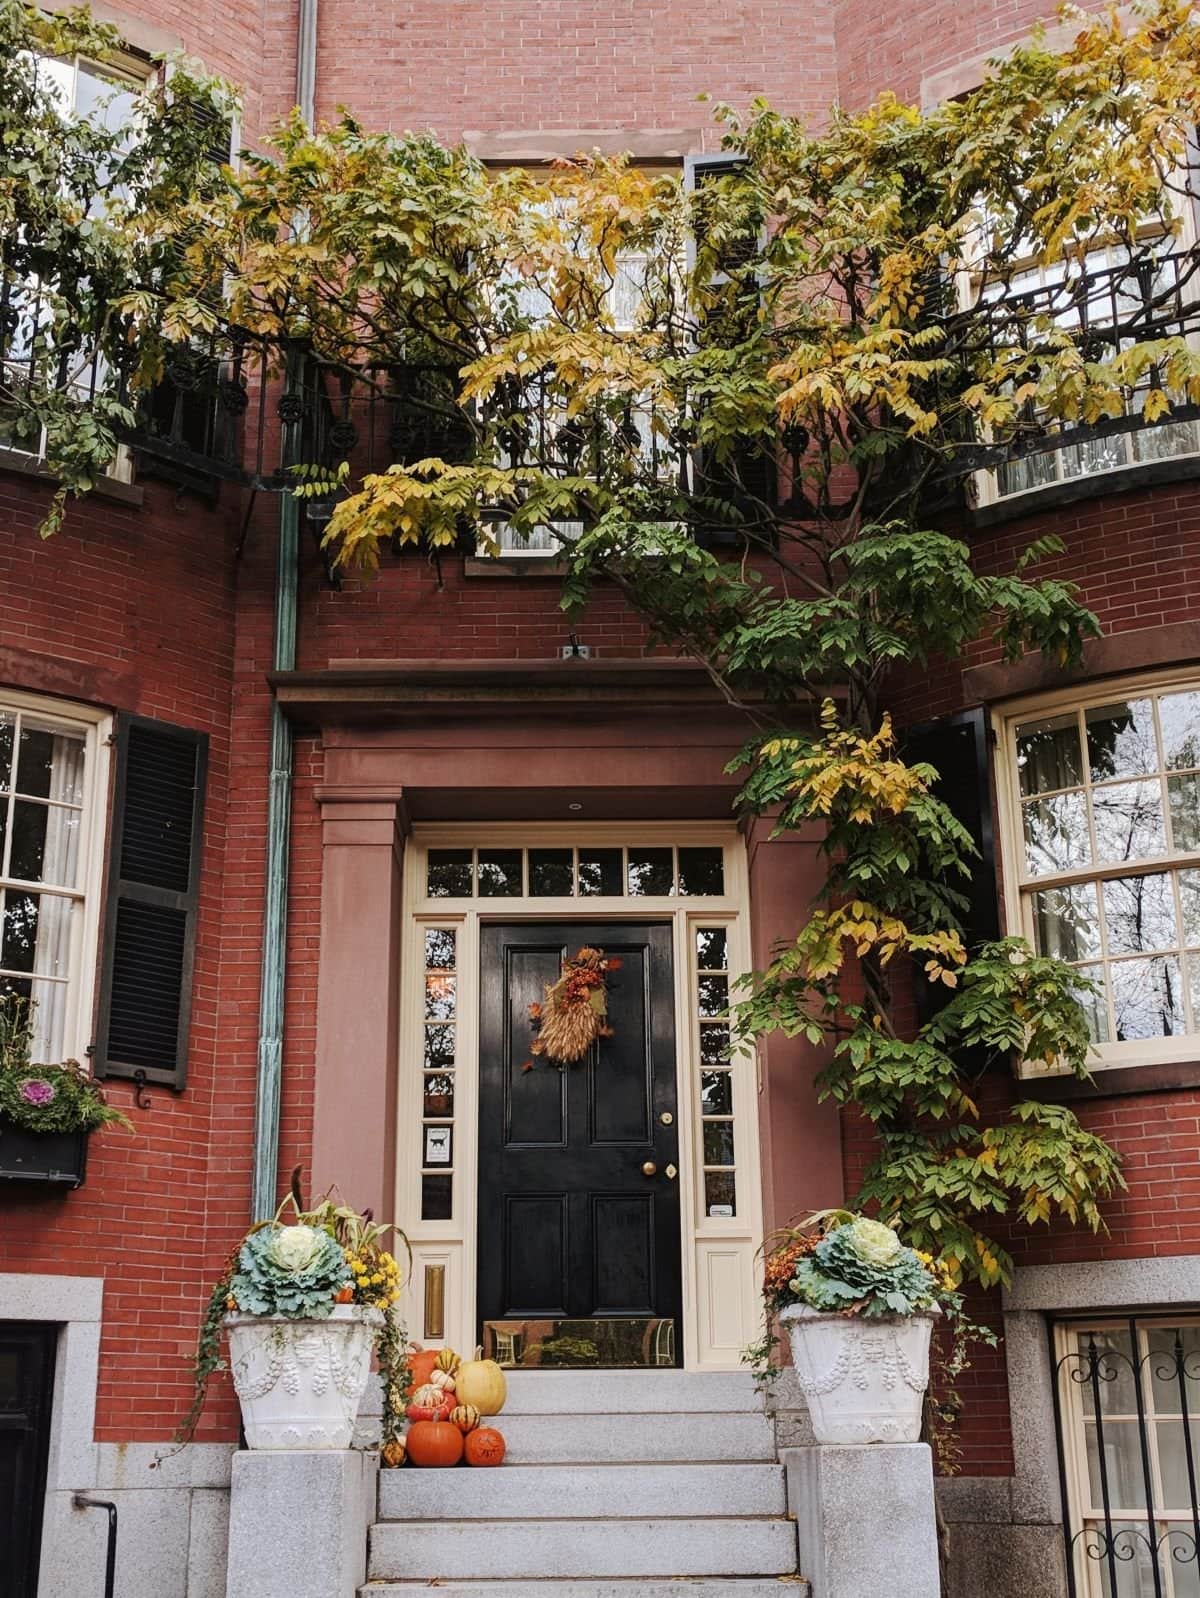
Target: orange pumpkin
[
  {"x": 422, "y": 1362},
  {"x": 483, "y": 1446},
  {"x": 434, "y": 1444}
]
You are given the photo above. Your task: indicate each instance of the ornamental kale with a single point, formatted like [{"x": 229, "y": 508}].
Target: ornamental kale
[
  {"x": 46, "y": 1098},
  {"x": 861, "y": 1267},
  {"x": 289, "y": 1270}
]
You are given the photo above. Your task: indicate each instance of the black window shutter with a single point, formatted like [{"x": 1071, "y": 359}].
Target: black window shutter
[
  {"x": 958, "y": 748},
  {"x": 150, "y": 912}
]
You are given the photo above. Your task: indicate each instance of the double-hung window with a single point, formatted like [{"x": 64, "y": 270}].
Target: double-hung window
[
  {"x": 1101, "y": 793},
  {"x": 106, "y": 95},
  {"x": 51, "y": 797}
]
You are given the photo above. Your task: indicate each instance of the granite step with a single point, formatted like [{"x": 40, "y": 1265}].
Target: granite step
[
  {"x": 564, "y": 1492},
  {"x": 617, "y": 1392},
  {"x": 648, "y": 1436},
  {"x": 606, "y": 1587},
  {"x": 457, "y": 1550}
]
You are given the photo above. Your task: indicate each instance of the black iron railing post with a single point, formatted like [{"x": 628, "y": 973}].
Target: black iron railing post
[{"x": 82, "y": 1501}]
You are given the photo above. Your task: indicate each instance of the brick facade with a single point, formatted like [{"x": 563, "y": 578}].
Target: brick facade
[{"x": 150, "y": 608}]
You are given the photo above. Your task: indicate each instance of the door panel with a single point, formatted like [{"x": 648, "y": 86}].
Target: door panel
[
  {"x": 26, "y": 1389},
  {"x": 579, "y": 1250}
]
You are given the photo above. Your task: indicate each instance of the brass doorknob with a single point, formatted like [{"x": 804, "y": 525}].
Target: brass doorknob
[{"x": 649, "y": 1169}]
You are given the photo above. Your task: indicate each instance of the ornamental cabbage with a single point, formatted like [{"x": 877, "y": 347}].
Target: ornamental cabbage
[
  {"x": 289, "y": 1270},
  {"x": 862, "y": 1268}
]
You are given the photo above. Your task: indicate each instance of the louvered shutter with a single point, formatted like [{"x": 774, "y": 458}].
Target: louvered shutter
[
  {"x": 150, "y": 914},
  {"x": 957, "y": 746}
]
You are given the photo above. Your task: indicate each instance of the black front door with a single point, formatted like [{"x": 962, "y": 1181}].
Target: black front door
[
  {"x": 579, "y": 1253},
  {"x": 26, "y": 1386}
]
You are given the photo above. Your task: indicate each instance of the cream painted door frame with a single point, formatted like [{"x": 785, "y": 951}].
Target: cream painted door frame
[{"x": 720, "y": 1290}]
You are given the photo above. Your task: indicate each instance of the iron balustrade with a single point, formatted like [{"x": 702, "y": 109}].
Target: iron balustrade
[{"x": 1127, "y": 1407}]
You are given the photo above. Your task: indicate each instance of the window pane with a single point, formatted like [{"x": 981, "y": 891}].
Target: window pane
[
  {"x": 439, "y": 1045},
  {"x": 1147, "y": 999},
  {"x": 1120, "y": 739},
  {"x": 720, "y": 1193},
  {"x": 1172, "y": 1456},
  {"x": 50, "y": 764},
  {"x": 449, "y": 874},
  {"x": 1095, "y": 1004},
  {"x": 439, "y": 1093},
  {"x": 1175, "y": 1351},
  {"x": 1179, "y": 717},
  {"x": 1066, "y": 922},
  {"x": 712, "y": 949},
  {"x": 500, "y": 874},
  {"x": 45, "y": 843},
  {"x": 702, "y": 871},
  {"x": 600, "y": 873},
  {"x": 651, "y": 871},
  {"x": 1123, "y": 1465},
  {"x": 7, "y": 732},
  {"x": 1189, "y": 893},
  {"x": 18, "y": 939},
  {"x": 437, "y": 1198},
  {"x": 713, "y": 994},
  {"x": 1056, "y": 835},
  {"x": 1129, "y": 821},
  {"x": 550, "y": 873},
  {"x": 1183, "y": 795},
  {"x": 439, "y": 995},
  {"x": 718, "y": 1142},
  {"x": 1140, "y": 913},
  {"x": 1048, "y": 755},
  {"x": 1113, "y": 1374},
  {"x": 716, "y": 1092},
  {"x": 439, "y": 948},
  {"x": 714, "y": 1045}
]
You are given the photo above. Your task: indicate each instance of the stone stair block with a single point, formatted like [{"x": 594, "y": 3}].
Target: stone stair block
[
  {"x": 611, "y": 1392},
  {"x": 612, "y": 1438},
  {"x": 450, "y": 1550},
  {"x": 582, "y": 1491},
  {"x": 614, "y": 1587}
]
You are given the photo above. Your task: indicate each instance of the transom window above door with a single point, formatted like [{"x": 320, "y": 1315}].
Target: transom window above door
[{"x": 576, "y": 871}]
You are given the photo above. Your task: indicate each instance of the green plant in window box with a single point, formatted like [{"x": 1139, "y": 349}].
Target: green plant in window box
[{"x": 49, "y": 1099}]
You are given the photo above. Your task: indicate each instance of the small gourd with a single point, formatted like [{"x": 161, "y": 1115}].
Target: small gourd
[
  {"x": 434, "y": 1444},
  {"x": 429, "y": 1396},
  {"x": 448, "y": 1361},
  {"x": 392, "y": 1455},
  {"x": 484, "y": 1446},
  {"x": 443, "y": 1380},
  {"x": 481, "y": 1382},
  {"x": 465, "y": 1417}
]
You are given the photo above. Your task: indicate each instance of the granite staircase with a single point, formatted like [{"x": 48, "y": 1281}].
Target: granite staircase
[{"x": 618, "y": 1484}]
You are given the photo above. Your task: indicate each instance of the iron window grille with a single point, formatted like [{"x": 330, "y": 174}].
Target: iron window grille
[{"x": 1127, "y": 1411}]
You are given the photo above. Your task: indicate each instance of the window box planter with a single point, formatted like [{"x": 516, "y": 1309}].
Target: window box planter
[{"x": 56, "y": 1158}]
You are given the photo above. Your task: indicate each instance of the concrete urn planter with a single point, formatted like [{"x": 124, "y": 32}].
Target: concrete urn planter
[
  {"x": 299, "y": 1382},
  {"x": 864, "y": 1380}
]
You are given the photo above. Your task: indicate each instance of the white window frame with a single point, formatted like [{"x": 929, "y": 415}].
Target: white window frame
[
  {"x": 96, "y": 727},
  {"x": 1082, "y": 1512},
  {"x": 1019, "y": 886}
]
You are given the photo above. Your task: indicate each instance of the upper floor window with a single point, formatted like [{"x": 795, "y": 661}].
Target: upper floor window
[
  {"x": 106, "y": 95},
  {"x": 1102, "y": 796},
  {"x": 50, "y": 865},
  {"x": 1109, "y": 301}
]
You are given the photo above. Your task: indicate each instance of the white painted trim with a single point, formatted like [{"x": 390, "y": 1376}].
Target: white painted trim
[
  {"x": 96, "y": 725},
  {"x": 717, "y": 1254},
  {"x": 1017, "y": 903}
]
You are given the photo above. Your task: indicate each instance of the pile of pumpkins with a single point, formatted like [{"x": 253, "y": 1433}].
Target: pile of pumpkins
[{"x": 450, "y": 1399}]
